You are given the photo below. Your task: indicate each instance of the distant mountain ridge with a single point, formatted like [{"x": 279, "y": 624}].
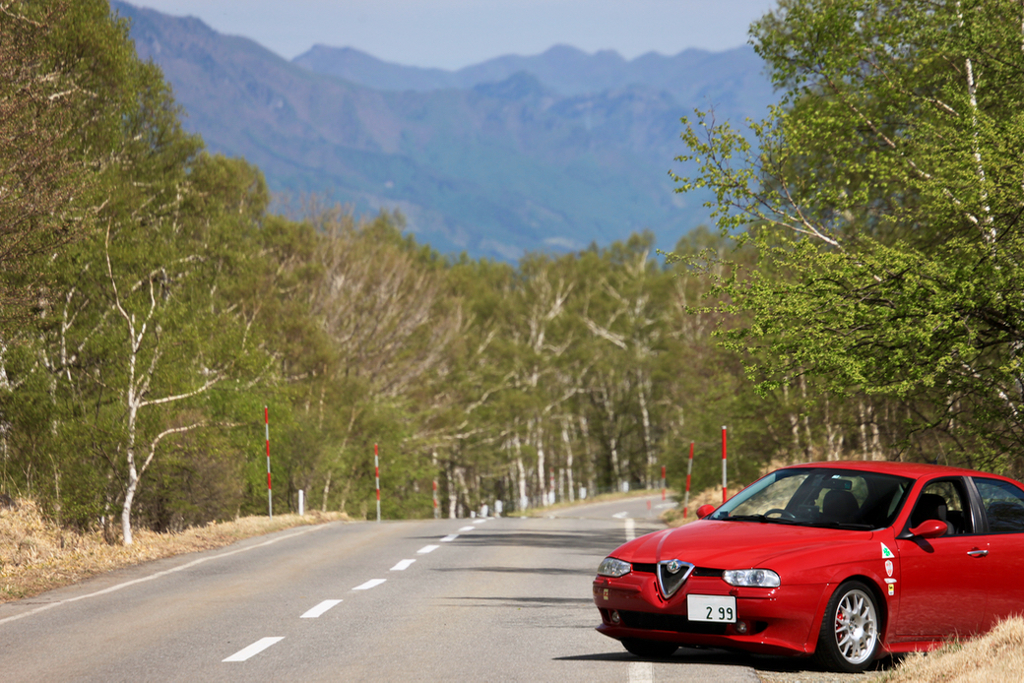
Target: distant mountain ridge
[
  {"x": 524, "y": 153},
  {"x": 566, "y": 70}
]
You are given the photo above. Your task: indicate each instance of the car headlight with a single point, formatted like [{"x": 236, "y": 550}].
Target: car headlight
[
  {"x": 757, "y": 578},
  {"x": 613, "y": 567}
]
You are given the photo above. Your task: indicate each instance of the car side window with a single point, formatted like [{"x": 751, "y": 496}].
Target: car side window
[
  {"x": 943, "y": 500},
  {"x": 1004, "y": 505}
]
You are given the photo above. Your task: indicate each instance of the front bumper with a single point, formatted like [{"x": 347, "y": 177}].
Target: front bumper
[{"x": 778, "y": 621}]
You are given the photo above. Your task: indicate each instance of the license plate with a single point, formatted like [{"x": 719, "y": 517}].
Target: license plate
[{"x": 717, "y": 608}]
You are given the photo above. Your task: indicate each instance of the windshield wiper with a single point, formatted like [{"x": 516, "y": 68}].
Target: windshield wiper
[
  {"x": 843, "y": 525},
  {"x": 764, "y": 520}
]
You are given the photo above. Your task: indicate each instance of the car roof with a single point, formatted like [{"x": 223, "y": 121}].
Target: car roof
[{"x": 903, "y": 469}]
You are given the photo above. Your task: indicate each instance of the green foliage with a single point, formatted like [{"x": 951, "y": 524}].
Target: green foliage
[
  {"x": 183, "y": 309},
  {"x": 884, "y": 200},
  {"x": 68, "y": 77}
]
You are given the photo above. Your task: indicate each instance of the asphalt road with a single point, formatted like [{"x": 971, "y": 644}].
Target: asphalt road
[{"x": 497, "y": 599}]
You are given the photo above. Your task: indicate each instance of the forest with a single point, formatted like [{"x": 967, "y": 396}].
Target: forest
[{"x": 858, "y": 299}]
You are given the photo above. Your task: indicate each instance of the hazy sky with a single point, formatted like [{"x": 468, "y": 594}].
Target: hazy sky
[{"x": 454, "y": 33}]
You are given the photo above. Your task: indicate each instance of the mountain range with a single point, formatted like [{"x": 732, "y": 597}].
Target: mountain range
[{"x": 550, "y": 152}]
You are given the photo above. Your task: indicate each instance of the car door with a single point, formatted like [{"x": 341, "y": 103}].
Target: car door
[
  {"x": 941, "y": 587},
  {"x": 1002, "y": 504}
]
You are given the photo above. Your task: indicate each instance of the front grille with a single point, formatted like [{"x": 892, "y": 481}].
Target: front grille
[
  {"x": 707, "y": 573},
  {"x": 672, "y": 574},
  {"x": 651, "y": 568},
  {"x": 670, "y": 622}
]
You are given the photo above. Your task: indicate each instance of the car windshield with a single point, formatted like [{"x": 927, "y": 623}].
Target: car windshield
[{"x": 820, "y": 497}]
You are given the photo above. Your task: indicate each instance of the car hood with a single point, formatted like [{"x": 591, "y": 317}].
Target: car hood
[{"x": 734, "y": 545}]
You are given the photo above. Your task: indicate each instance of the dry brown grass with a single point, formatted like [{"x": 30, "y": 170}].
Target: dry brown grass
[
  {"x": 995, "y": 657},
  {"x": 37, "y": 555}
]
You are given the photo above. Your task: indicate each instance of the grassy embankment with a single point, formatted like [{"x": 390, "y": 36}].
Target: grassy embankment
[{"x": 36, "y": 555}]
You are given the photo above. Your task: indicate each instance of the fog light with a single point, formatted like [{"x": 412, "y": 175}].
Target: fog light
[
  {"x": 741, "y": 627},
  {"x": 614, "y": 617}
]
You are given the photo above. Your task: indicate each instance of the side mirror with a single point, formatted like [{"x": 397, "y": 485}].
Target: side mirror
[
  {"x": 930, "y": 528},
  {"x": 705, "y": 510}
]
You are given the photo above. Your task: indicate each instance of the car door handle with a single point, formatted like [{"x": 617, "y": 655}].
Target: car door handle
[{"x": 977, "y": 553}]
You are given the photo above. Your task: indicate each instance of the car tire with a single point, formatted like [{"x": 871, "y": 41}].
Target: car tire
[
  {"x": 849, "y": 637},
  {"x": 650, "y": 649}
]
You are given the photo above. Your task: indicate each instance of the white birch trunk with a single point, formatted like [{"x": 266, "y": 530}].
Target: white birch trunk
[
  {"x": 524, "y": 500},
  {"x": 864, "y": 446},
  {"x": 643, "y": 385},
  {"x": 452, "y": 495},
  {"x": 539, "y": 445},
  {"x": 568, "y": 460}
]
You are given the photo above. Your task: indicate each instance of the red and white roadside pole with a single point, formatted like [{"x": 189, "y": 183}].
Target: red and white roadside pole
[
  {"x": 725, "y": 481},
  {"x": 270, "y": 495},
  {"x": 376, "y": 474},
  {"x": 689, "y": 471},
  {"x": 437, "y": 511}
]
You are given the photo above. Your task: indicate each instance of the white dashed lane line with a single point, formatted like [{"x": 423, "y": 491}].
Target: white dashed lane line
[
  {"x": 254, "y": 649},
  {"x": 641, "y": 672},
  {"x": 320, "y": 609},
  {"x": 317, "y": 611}
]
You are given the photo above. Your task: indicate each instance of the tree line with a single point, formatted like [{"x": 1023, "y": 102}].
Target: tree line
[
  {"x": 884, "y": 196},
  {"x": 153, "y": 307}
]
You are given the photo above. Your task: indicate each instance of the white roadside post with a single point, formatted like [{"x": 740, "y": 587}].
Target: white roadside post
[{"x": 376, "y": 474}]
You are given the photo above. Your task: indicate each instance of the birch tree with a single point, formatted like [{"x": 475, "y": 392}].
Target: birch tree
[
  {"x": 885, "y": 194},
  {"x": 61, "y": 92}
]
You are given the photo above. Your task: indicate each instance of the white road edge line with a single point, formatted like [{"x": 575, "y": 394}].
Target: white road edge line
[
  {"x": 620, "y": 515},
  {"x": 402, "y": 566},
  {"x": 254, "y": 649},
  {"x": 191, "y": 564},
  {"x": 479, "y": 521},
  {"x": 422, "y": 551},
  {"x": 468, "y": 528},
  {"x": 641, "y": 672},
  {"x": 319, "y": 609},
  {"x": 372, "y": 583},
  {"x": 449, "y": 538}
]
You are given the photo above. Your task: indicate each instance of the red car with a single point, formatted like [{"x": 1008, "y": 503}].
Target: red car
[{"x": 846, "y": 561}]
